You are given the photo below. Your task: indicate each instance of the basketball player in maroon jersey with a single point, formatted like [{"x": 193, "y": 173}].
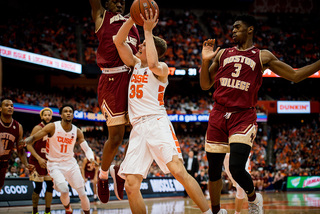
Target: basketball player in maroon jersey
[
  {"x": 39, "y": 161},
  {"x": 236, "y": 74},
  {"x": 89, "y": 171},
  {"x": 11, "y": 133},
  {"x": 113, "y": 85}
]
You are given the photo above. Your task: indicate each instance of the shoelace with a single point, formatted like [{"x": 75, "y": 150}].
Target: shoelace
[
  {"x": 253, "y": 208},
  {"x": 103, "y": 184}
]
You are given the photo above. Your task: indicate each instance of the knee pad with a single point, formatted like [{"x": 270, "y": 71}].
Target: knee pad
[
  {"x": 38, "y": 187},
  {"x": 240, "y": 192},
  {"x": 49, "y": 186},
  {"x": 62, "y": 187},
  {"x": 236, "y": 170}
]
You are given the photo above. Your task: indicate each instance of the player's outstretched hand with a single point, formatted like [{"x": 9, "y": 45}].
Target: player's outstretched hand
[
  {"x": 208, "y": 51},
  {"x": 150, "y": 21}
]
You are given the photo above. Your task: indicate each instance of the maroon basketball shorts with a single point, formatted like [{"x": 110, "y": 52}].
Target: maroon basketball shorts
[
  {"x": 39, "y": 174},
  {"x": 3, "y": 169},
  {"x": 113, "y": 97},
  {"x": 230, "y": 127}
]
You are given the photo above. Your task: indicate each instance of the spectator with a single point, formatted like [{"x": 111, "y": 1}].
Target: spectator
[{"x": 12, "y": 173}]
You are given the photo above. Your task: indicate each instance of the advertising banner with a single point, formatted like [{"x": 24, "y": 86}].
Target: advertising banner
[
  {"x": 39, "y": 59},
  {"x": 81, "y": 115},
  {"x": 303, "y": 183},
  {"x": 293, "y": 107},
  {"x": 18, "y": 191}
]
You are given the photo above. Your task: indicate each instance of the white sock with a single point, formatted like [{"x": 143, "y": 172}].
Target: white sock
[
  {"x": 208, "y": 212},
  {"x": 103, "y": 174}
]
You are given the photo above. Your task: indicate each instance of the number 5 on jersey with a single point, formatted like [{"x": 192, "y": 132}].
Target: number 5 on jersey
[{"x": 136, "y": 91}]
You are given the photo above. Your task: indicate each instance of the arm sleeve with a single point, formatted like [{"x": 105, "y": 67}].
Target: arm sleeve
[{"x": 87, "y": 150}]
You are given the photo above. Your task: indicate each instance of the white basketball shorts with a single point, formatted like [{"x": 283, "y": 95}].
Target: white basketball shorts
[
  {"x": 66, "y": 170},
  {"x": 151, "y": 138}
]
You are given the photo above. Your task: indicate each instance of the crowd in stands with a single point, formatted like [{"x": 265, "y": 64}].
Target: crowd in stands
[
  {"x": 86, "y": 100},
  {"x": 82, "y": 99},
  {"x": 73, "y": 38},
  {"x": 49, "y": 35}
]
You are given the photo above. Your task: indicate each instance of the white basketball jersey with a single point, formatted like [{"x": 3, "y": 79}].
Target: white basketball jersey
[
  {"x": 61, "y": 145},
  {"x": 146, "y": 94}
]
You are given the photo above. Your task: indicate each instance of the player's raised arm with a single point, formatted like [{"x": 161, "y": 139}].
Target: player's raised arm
[
  {"x": 149, "y": 23},
  {"x": 123, "y": 48},
  {"x": 97, "y": 13},
  {"x": 286, "y": 71},
  {"x": 47, "y": 130},
  {"x": 209, "y": 68}
]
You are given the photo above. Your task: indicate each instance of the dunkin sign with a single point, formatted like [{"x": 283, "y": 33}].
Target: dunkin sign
[{"x": 293, "y": 107}]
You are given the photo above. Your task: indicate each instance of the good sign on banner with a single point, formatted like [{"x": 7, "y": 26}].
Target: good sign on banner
[{"x": 293, "y": 107}]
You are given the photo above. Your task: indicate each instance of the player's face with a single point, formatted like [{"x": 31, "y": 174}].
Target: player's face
[
  {"x": 142, "y": 50},
  {"x": 7, "y": 107},
  {"x": 116, "y": 6},
  {"x": 67, "y": 114},
  {"x": 239, "y": 32},
  {"x": 47, "y": 116}
]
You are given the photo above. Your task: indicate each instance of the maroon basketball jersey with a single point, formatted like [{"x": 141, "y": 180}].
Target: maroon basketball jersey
[
  {"x": 40, "y": 148},
  {"x": 238, "y": 78},
  {"x": 9, "y": 136},
  {"x": 107, "y": 54}
]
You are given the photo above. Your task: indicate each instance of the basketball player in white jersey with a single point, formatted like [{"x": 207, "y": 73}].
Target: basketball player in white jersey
[
  {"x": 61, "y": 165},
  {"x": 152, "y": 136},
  {"x": 241, "y": 194}
]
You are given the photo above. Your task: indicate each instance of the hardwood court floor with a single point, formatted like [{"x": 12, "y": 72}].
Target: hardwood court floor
[{"x": 274, "y": 203}]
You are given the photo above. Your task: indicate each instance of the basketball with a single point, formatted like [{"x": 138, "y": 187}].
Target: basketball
[{"x": 139, "y": 6}]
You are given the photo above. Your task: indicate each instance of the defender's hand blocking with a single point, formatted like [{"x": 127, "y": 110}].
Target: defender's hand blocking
[{"x": 208, "y": 51}]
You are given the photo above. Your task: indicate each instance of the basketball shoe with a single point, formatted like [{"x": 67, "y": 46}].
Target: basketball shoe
[
  {"x": 69, "y": 210},
  {"x": 117, "y": 181},
  {"x": 103, "y": 190},
  {"x": 256, "y": 206},
  {"x": 222, "y": 211}
]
